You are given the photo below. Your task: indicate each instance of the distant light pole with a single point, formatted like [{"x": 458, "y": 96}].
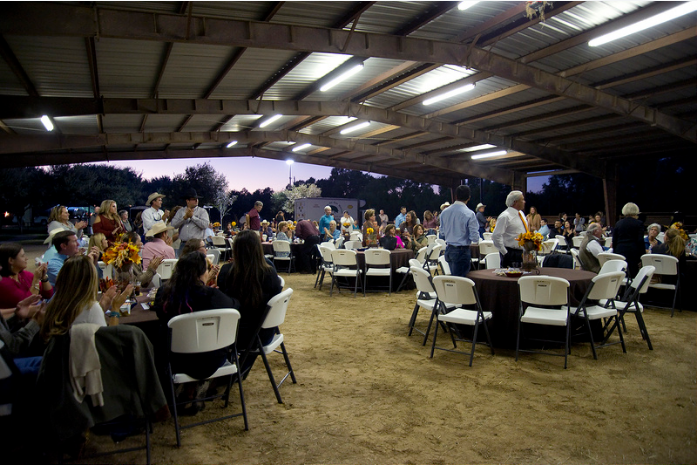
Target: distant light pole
[{"x": 290, "y": 162}]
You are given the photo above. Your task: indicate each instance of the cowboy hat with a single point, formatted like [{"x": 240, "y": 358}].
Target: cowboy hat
[
  {"x": 157, "y": 229},
  {"x": 480, "y": 205},
  {"x": 152, "y": 197},
  {"x": 264, "y": 222},
  {"x": 191, "y": 194},
  {"x": 444, "y": 206}
]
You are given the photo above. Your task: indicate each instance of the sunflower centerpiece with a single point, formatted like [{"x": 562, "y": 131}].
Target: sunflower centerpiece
[
  {"x": 371, "y": 239},
  {"x": 531, "y": 242},
  {"x": 122, "y": 255}
]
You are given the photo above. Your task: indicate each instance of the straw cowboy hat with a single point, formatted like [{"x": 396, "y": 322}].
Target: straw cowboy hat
[
  {"x": 152, "y": 197},
  {"x": 49, "y": 239},
  {"x": 444, "y": 206},
  {"x": 157, "y": 229},
  {"x": 264, "y": 222},
  {"x": 480, "y": 205}
]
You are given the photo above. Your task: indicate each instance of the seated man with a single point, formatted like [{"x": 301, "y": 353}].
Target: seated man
[
  {"x": 591, "y": 247},
  {"x": 544, "y": 229},
  {"x": 556, "y": 230},
  {"x": 157, "y": 244},
  {"x": 66, "y": 245}
]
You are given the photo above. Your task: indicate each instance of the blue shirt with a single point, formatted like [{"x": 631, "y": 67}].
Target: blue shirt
[
  {"x": 459, "y": 225},
  {"x": 54, "y": 266},
  {"x": 544, "y": 230},
  {"x": 324, "y": 223},
  {"x": 401, "y": 218}
]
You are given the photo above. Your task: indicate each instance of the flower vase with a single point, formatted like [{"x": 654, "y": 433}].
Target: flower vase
[
  {"x": 530, "y": 257},
  {"x": 371, "y": 240}
]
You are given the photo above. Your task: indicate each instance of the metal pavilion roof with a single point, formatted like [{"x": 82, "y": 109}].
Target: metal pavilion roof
[{"x": 136, "y": 80}]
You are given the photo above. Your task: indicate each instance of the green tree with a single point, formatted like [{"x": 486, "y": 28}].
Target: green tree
[{"x": 22, "y": 189}]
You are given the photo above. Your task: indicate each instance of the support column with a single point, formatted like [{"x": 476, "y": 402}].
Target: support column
[
  {"x": 610, "y": 192},
  {"x": 520, "y": 182}
]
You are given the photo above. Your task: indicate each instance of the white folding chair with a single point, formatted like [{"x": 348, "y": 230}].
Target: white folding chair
[
  {"x": 487, "y": 236},
  {"x": 212, "y": 257},
  {"x": 608, "y": 242},
  {"x": 577, "y": 241},
  {"x": 485, "y": 248},
  {"x": 493, "y": 261},
  {"x": 356, "y": 236},
  {"x": 666, "y": 265},
  {"x": 546, "y": 291},
  {"x": 459, "y": 292},
  {"x": 107, "y": 270},
  {"x": 199, "y": 332},
  {"x": 222, "y": 245},
  {"x": 426, "y": 298},
  {"x": 577, "y": 259},
  {"x": 339, "y": 242},
  {"x": 327, "y": 264},
  {"x": 607, "y": 256},
  {"x": 612, "y": 266},
  {"x": 441, "y": 242},
  {"x": 604, "y": 286},
  {"x": 352, "y": 245},
  {"x": 280, "y": 248},
  {"x": 278, "y": 306},
  {"x": 329, "y": 244},
  {"x": 377, "y": 263},
  {"x": 561, "y": 242},
  {"x": 630, "y": 303},
  {"x": 345, "y": 266},
  {"x": 166, "y": 268},
  {"x": 406, "y": 271},
  {"x": 549, "y": 246},
  {"x": 431, "y": 238},
  {"x": 444, "y": 266},
  {"x": 432, "y": 258}
]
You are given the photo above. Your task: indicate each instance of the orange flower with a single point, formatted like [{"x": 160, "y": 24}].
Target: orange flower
[{"x": 121, "y": 253}]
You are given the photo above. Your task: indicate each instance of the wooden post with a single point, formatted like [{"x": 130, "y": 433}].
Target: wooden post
[
  {"x": 520, "y": 182},
  {"x": 610, "y": 193}
]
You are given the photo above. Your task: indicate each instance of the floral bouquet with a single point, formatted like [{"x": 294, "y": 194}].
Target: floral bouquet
[
  {"x": 121, "y": 253},
  {"x": 216, "y": 224},
  {"x": 678, "y": 225},
  {"x": 531, "y": 241},
  {"x": 371, "y": 239}
]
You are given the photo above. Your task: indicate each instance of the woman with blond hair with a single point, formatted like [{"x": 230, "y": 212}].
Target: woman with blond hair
[
  {"x": 534, "y": 219},
  {"x": 59, "y": 219},
  {"x": 108, "y": 222},
  {"x": 99, "y": 241},
  {"x": 430, "y": 222},
  {"x": 673, "y": 245}
]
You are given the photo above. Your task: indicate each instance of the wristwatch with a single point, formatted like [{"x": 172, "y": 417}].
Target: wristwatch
[{"x": 44, "y": 280}]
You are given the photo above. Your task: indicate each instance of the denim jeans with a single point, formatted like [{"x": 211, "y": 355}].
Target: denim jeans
[{"x": 459, "y": 260}]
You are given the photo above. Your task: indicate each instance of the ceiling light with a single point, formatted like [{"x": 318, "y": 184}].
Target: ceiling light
[
  {"x": 364, "y": 124},
  {"x": 683, "y": 9},
  {"x": 47, "y": 123},
  {"x": 269, "y": 121},
  {"x": 301, "y": 147},
  {"x": 465, "y": 5},
  {"x": 452, "y": 93},
  {"x": 489, "y": 155},
  {"x": 478, "y": 147},
  {"x": 231, "y": 143},
  {"x": 342, "y": 77},
  {"x": 290, "y": 162}
]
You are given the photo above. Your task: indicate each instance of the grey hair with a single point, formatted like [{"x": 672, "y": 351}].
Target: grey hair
[
  {"x": 258, "y": 203},
  {"x": 332, "y": 222},
  {"x": 654, "y": 225},
  {"x": 513, "y": 197},
  {"x": 328, "y": 207},
  {"x": 630, "y": 209},
  {"x": 593, "y": 227}
]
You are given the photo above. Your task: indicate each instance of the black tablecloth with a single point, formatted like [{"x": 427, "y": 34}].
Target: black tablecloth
[{"x": 501, "y": 296}]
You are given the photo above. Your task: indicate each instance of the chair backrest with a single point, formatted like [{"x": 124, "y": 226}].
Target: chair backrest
[
  {"x": 435, "y": 252},
  {"x": 204, "y": 331},
  {"x": 661, "y": 236},
  {"x": 107, "y": 270},
  {"x": 377, "y": 257},
  {"x": 414, "y": 262},
  {"x": 664, "y": 264},
  {"x": 486, "y": 247},
  {"x": 561, "y": 241},
  {"x": 608, "y": 242},
  {"x": 577, "y": 241},
  {"x": 166, "y": 268},
  {"x": 607, "y": 256},
  {"x": 440, "y": 241},
  {"x": 444, "y": 265},
  {"x": 281, "y": 246},
  {"x": 421, "y": 255},
  {"x": 278, "y": 307},
  {"x": 611, "y": 266},
  {"x": 487, "y": 236},
  {"x": 643, "y": 278},
  {"x": 550, "y": 245},
  {"x": 455, "y": 290},
  {"x": 326, "y": 254},
  {"x": 543, "y": 290},
  {"x": 343, "y": 257},
  {"x": 283, "y": 281},
  {"x": 422, "y": 279},
  {"x": 356, "y": 236},
  {"x": 577, "y": 258},
  {"x": 211, "y": 258},
  {"x": 493, "y": 260},
  {"x": 605, "y": 286},
  {"x": 352, "y": 245},
  {"x": 219, "y": 240},
  {"x": 339, "y": 242},
  {"x": 330, "y": 244},
  {"x": 431, "y": 238}
]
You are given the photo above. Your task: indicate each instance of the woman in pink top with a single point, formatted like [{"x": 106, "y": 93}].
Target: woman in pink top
[{"x": 17, "y": 283}]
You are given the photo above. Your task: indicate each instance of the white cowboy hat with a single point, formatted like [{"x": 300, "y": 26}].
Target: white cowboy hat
[
  {"x": 157, "y": 229},
  {"x": 153, "y": 196},
  {"x": 480, "y": 205}
]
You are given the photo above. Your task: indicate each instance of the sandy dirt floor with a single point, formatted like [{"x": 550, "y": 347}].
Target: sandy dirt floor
[{"x": 367, "y": 393}]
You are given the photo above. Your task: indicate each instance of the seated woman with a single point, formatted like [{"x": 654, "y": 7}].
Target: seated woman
[
  {"x": 430, "y": 222},
  {"x": 198, "y": 245},
  {"x": 186, "y": 292},
  {"x": 252, "y": 281},
  {"x": 390, "y": 241},
  {"x": 59, "y": 219},
  {"x": 333, "y": 233},
  {"x": 674, "y": 246},
  {"x": 267, "y": 229},
  {"x": 134, "y": 271},
  {"x": 650, "y": 240},
  {"x": 108, "y": 222},
  {"x": 568, "y": 233},
  {"x": 99, "y": 241},
  {"x": 284, "y": 234},
  {"x": 17, "y": 283},
  {"x": 419, "y": 240}
]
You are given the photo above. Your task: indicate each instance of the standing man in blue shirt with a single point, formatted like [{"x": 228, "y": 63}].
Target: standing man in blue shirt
[
  {"x": 460, "y": 227},
  {"x": 401, "y": 218}
]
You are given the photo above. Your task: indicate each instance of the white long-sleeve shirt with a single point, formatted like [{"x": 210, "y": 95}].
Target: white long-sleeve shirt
[
  {"x": 509, "y": 225},
  {"x": 151, "y": 216}
]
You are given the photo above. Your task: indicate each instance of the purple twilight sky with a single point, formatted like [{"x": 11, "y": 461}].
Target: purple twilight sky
[{"x": 250, "y": 173}]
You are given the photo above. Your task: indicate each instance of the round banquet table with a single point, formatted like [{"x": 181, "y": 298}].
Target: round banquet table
[
  {"x": 500, "y": 295},
  {"x": 398, "y": 259},
  {"x": 294, "y": 248}
]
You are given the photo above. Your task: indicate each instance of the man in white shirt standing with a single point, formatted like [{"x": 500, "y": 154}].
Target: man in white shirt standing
[
  {"x": 509, "y": 225},
  {"x": 154, "y": 214}
]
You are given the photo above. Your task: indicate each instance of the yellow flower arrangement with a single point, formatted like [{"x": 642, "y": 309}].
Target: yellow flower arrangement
[
  {"x": 121, "y": 253},
  {"x": 233, "y": 224},
  {"x": 531, "y": 238},
  {"x": 370, "y": 231},
  {"x": 216, "y": 224},
  {"x": 678, "y": 225},
  {"x": 346, "y": 224}
]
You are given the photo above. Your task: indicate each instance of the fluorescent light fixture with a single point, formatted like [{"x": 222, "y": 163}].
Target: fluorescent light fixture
[
  {"x": 290, "y": 162},
  {"x": 269, "y": 121},
  {"x": 680, "y": 10},
  {"x": 465, "y": 5},
  {"x": 231, "y": 143},
  {"x": 478, "y": 147},
  {"x": 301, "y": 147},
  {"x": 452, "y": 93},
  {"x": 47, "y": 123},
  {"x": 489, "y": 155},
  {"x": 355, "y": 128},
  {"x": 342, "y": 77}
]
